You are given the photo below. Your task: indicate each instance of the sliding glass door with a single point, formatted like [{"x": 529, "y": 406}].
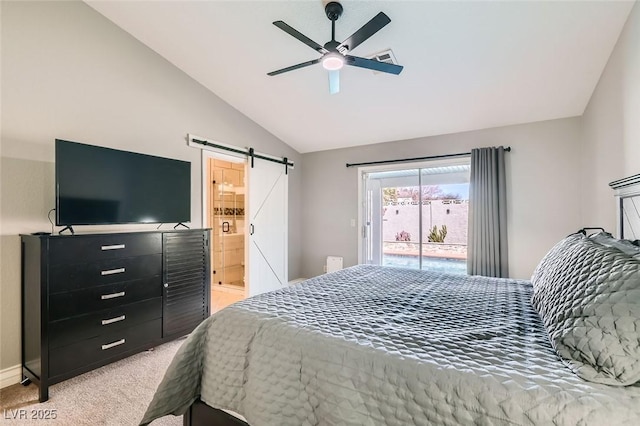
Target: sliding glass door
[{"x": 416, "y": 217}]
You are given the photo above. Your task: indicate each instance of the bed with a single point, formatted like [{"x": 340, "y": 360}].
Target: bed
[{"x": 373, "y": 345}]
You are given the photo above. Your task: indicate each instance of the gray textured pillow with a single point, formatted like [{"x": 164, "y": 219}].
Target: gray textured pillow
[
  {"x": 609, "y": 240},
  {"x": 588, "y": 297}
]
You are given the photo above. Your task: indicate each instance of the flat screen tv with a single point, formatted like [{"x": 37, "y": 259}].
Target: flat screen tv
[{"x": 100, "y": 186}]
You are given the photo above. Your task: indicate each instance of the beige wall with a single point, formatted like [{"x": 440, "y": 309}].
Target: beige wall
[
  {"x": 543, "y": 197},
  {"x": 611, "y": 127},
  {"x": 406, "y": 217},
  {"x": 67, "y": 72}
]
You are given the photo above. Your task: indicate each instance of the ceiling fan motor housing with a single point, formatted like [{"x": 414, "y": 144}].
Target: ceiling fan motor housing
[{"x": 332, "y": 46}]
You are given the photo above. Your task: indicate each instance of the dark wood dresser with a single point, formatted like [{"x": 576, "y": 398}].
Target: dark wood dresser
[{"x": 92, "y": 299}]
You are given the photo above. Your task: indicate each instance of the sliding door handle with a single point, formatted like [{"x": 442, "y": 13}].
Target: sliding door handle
[
  {"x": 251, "y": 229},
  {"x": 225, "y": 227}
]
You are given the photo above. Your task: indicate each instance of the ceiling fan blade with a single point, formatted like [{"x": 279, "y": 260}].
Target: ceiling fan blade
[
  {"x": 373, "y": 64},
  {"x": 297, "y": 34},
  {"x": 334, "y": 81},
  {"x": 294, "y": 67},
  {"x": 366, "y": 31}
]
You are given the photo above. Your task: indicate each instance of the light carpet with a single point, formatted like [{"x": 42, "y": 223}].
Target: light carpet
[{"x": 116, "y": 394}]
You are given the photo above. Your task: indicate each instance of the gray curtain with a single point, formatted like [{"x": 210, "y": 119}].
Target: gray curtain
[{"x": 487, "y": 245}]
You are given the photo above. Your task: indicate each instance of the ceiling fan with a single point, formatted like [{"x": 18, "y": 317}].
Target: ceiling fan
[{"x": 334, "y": 54}]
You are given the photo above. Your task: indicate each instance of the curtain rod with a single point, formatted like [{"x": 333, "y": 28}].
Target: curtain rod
[{"x": 403, "y": 160}]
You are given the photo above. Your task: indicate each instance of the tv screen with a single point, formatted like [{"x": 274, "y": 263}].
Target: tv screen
[{"x": 97, "y": 186}]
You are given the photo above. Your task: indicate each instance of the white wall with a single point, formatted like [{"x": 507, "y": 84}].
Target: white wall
[
  {"x": 611, "y": 127},
  {"x": 543, "y": 189},
  {"x": 67, "y": 72}
]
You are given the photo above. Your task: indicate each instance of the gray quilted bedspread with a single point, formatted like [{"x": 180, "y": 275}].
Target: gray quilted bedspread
[{"x": 383, "y": 346}]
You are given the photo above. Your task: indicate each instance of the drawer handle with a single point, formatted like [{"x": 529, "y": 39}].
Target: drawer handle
[
  {"x": 112, "y": 295},
  {"x": 112, "y": 345},
  {"x": 112, "y": 320},
  {"x": 112, "y": 247},
  {"x": 112, "y": 271}
]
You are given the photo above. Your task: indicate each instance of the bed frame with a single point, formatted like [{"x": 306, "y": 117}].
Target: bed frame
[
  {"x": 628, "y": 210},
  {"x": 200, "y": 414},
  {"x": 627, "y": 191}
]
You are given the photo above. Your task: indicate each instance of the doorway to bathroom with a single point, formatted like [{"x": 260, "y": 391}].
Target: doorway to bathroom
[{"x": 225, "y": 215}]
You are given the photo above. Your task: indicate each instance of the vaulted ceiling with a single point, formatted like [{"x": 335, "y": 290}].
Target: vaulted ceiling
[{"x": 467, "y": 64}]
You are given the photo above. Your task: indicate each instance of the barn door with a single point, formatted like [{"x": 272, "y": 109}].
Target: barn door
[{"x": 268, "y": 189}]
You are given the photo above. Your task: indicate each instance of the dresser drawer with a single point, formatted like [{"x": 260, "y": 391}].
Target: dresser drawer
[
  {"x": 78, "y": 276},
  {"x": 68, "y": 331},
  {"x": 87, "y": 248},
  {"x": 99, "y": 298},
  {"x": 71, "y": 357}
]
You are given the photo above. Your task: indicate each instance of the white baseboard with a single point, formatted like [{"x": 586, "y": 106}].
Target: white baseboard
[
  {"x": 10, "y": 376},
  {"x": 296, "y": 281}
]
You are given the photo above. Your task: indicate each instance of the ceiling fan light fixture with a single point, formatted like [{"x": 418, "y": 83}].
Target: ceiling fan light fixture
[{"x": 333, "y": 61}]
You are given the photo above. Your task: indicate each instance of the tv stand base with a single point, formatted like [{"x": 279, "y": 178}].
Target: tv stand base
[{"x": 69, "y": 227}]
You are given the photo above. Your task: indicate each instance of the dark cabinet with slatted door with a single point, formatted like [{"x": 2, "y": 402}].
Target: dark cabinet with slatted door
[
  {"x": 186, "y": 281},
  {"x": 89, "y": 300}
]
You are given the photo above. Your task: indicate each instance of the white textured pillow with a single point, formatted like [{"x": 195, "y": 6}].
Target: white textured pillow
[{"x": 588, "y": 297}]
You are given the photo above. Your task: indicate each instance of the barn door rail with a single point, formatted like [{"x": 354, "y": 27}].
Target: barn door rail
[{"x": 252, "y": 154}]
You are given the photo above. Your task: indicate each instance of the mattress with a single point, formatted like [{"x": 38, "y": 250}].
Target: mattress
[{"x": 373, "y": 345}]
